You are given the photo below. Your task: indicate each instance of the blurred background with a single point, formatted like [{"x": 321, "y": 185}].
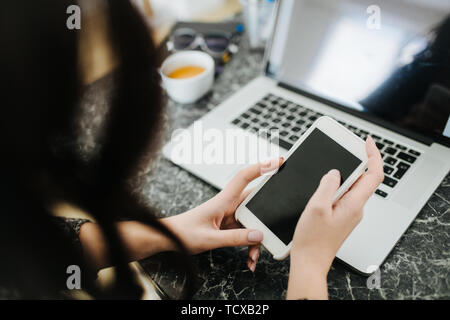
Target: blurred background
[{"x": 214, "y": 20}]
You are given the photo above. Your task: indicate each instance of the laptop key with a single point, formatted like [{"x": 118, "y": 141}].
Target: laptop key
[
  {"x": 284, "y": 133},
  {"x": 389, "y": 142},
  {"x": 387, "y": 169},
  {"x": 284, "y": 144},
  {"x": 414, "y": 152},
  {"x": 389, "y": 182},
  {"x": 381, "y": 193},
  {"x": 399, "y": 146},
  {"x": 390, "y": 150},
  {"x": 236, "y": 121},
  {"x": 296, "y": 129},
  {"x": 303, "y": 113},
  {"x": 407, "y": 157},
  {"x": 390, "y": 160},
  {"x": 261, "y": 105},
  {"x": 300, "y": 121},
  {"x": 403, "y": 166},
  {"x": 255, "y": 111},
  {"x": 379, "y": 145},
  {"x": 259, "y": 108},
  {"x": 244, "y": 125},
  {"x": 399, "y": 174}
]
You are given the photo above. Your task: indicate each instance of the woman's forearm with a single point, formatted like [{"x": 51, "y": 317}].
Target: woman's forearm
[
  {"x": 307, "y": 279},
  {"x": 140, "y": 241}
]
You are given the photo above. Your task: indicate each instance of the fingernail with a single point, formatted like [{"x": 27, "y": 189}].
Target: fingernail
[
  {"x": 370, "y": 139},
  {"x": 255, "y": 256},
  {"x": 271, "y": 163},
  {"x": 252, "y": 267},
  {"x": 334, "y": 172},
  {"x": 266, "y": 163},
  {"x": 255, "y": 236}
]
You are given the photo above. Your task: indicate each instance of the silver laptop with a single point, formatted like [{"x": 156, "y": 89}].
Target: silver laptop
[{"x": 381, "y": 70}]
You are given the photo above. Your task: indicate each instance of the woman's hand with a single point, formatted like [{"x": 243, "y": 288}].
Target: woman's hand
[
  {"x": 323, "y": 227},
  {"x": 212, "y": 224}
]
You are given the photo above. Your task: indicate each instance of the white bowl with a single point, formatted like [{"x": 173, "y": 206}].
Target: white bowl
[{"x": 188, "y": 90}]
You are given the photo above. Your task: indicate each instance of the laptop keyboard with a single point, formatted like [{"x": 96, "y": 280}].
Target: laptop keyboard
[{"x": 292, "y": 120}]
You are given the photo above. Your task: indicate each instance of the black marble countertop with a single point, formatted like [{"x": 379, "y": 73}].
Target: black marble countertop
[{"x": 417, "y": 268}]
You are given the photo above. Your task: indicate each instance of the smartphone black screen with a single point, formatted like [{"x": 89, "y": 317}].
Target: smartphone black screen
[{"x": 280, "y": 202}]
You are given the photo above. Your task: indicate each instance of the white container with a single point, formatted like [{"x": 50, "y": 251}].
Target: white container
[
  {"x": 187, "y": 10},
  {"x": 258, "y": 20},
  {"x": 188, "y": 90}
]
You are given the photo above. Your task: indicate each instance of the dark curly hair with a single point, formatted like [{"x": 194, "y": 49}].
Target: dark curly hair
[{"x": 40, "y": 161}]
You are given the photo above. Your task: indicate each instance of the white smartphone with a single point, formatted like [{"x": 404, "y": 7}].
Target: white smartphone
[{"x": 276, "y": 204}]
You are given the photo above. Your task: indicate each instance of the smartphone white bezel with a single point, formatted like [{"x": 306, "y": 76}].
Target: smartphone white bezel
[{"x": 341, "y": 135}]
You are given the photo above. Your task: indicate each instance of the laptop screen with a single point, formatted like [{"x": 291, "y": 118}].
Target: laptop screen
[{"x": 388, "y": 62}]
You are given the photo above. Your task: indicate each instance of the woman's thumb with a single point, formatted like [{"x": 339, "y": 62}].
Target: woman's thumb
[
  {"x": 239, "y": 237},
  {"x": 327, "y": 188}
]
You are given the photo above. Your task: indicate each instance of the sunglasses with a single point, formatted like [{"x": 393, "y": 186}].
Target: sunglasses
[{"x": 216, "y": 43}]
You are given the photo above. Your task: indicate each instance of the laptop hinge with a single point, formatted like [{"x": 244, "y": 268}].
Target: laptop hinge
[{"x": 380, "y": 122}]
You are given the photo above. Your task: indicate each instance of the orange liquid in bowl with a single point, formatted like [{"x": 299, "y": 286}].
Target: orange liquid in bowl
[{"x": 186, "y": 72}]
